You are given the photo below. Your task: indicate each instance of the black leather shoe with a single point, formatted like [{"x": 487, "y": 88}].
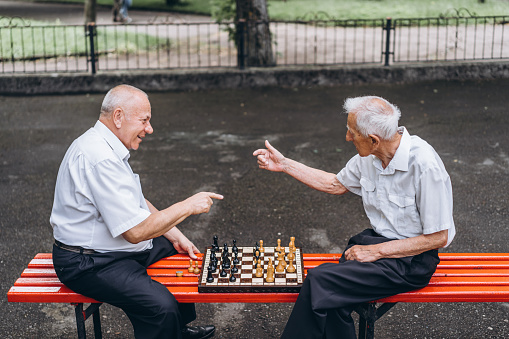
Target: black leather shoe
[{"x": 198, "y": 332}]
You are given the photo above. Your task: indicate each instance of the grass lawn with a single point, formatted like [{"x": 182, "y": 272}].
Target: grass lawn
[
  {"x": 338, "y": 9},
  {"x": 50, "y": 39}
]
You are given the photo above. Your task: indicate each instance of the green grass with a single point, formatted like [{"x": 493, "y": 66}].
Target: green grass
[
  {"x": 338, "y": 9},
  {"x": 46, "y": 40},
  {"x": 379, "y": 9}
]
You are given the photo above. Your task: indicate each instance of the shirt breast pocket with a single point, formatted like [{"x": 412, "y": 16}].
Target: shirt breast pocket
[
  {"x": 404, "y": 211},
  {"x": 368, "y": 193}
]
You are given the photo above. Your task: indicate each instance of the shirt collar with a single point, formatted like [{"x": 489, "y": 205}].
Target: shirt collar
[
  {"x": 116, "y": 145},
  {"x": 400, "y": 160}
]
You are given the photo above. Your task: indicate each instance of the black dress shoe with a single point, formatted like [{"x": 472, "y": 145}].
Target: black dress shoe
[{"x": 198, "y": 332}]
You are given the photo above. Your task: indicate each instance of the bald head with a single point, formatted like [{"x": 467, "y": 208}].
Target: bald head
[
  {"x": 123, "y": 97},
  {"x": 374, "y": 115}
]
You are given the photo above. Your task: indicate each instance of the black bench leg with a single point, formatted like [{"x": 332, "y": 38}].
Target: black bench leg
[
  {"x": 368, "y": 314},
  {"x": 81, "y": 316},
  {"x": 80, "y": 321},
  {"x": 96, "y": 317}
]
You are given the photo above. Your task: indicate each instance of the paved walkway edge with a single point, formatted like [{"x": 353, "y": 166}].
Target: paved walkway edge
[{"x": 190, "y": 80}]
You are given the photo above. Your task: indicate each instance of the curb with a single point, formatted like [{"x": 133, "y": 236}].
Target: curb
[{"x": 228, "y": 78}]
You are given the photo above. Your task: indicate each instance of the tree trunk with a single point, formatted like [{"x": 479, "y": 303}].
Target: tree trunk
[
  {"x": 256, "y": 33},
  {"x": 90, "y": 11}
]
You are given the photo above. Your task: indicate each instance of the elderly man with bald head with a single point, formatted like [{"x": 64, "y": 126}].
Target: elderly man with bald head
[
  {"x": 407, "y": 196},
  {"x": 107, "y": 234}
]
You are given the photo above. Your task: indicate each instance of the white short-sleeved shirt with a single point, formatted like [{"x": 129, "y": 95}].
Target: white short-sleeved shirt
[
  {"x": 410, "y": 197},
  {"x": 97, "y": 195}
]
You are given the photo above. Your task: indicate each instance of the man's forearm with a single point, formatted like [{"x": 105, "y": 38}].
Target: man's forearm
[
  {"x": 314, "y": 178},
  {"x": 158, "y": 223},
  {"x": 413, "y": 246},
  {"x": 397, "y": 248}
]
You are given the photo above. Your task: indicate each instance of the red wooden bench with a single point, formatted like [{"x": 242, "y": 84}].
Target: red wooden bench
[{"x": 460, "y": 277}]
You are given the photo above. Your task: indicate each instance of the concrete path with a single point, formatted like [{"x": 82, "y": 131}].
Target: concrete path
[{"x": 72, "y": 14}]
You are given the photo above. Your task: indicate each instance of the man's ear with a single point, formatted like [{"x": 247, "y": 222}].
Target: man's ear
[
  {"x": 375, "y": 140},
  {"x": 118, "y": 117}
]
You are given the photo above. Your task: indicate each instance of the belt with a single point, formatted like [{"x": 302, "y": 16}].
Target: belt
[{"x": 75, "y": 249}]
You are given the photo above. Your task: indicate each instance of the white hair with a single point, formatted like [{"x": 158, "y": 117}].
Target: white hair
[
  {"x": 375, "y": 115},
  {"x": 119, "y": 96}
]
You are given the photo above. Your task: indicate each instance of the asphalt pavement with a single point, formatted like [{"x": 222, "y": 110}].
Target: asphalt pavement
[{"x": 204, "y": 140}]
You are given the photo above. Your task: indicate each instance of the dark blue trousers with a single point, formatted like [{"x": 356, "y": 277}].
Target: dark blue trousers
[
  {"x": 330, "y": 291},
  {"x": 121, "y": 279}
]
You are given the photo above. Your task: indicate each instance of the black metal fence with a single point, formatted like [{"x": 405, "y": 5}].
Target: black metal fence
[{"x": 30, "y": 48}]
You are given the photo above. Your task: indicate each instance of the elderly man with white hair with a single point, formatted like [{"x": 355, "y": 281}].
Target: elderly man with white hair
[
  {"x": 407, "y": 196},
  {"x": 107, "y": 234}
]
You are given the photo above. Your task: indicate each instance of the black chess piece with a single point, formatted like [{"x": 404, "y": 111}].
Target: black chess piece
[
  {"x": 225, "y": 249},
  {"x": 226, "y": 262},
  {"x": 234, "y": 268},
  {"x": 232, "y": 278},
  {"x": 223, "y": 273},
  {"x": 210, "y": 278},
  {"x": 216, "y": 246},
  {"x": 234, "y": 248},
  {"x": 236, "y": 260}
]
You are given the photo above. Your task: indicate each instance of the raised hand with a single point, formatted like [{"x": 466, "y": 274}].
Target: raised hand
[
  {"x": 270, "y": 158},
  {"x": 201, "y": 202}
]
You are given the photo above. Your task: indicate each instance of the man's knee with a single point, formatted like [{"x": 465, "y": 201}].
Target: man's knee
[{"x": 164, "y": 305}]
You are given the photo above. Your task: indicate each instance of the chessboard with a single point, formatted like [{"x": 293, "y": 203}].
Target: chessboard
[{"x": 245, "y": 278}]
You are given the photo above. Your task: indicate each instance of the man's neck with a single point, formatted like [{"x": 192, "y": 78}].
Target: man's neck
[{"x": 387, "y": 150}]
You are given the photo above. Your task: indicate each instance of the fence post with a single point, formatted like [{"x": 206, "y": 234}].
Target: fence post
[
  {"x": 388, "y": 28},
  {"x": 91, "y": 36},
  {"x": 241, "y": 27}
]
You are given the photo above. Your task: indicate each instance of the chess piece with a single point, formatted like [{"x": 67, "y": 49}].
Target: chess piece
[
  {"x": 234, "y": 248},
  {"x": 278, "y": 248},
  {"x": 196, "y": 268},
  {"x": 282, "y": 259},
  {"x": 179, "y": 274},
  {"x": 226, "y": 262},
  {"x": 210, "y": 278},
  {"x": 232, "y": 278},
  {"x": 225, "y": 249},
  {"x": 223, "y": 273},
  {"x": 257, "y": 255},
  {"x": 281, "y": 265},
  {"x": 292, "y": 243},
  {"x": 216, "y": 246},
  {"x": 291, "y": 255},
  {"x": 262, "y": 249},
  {"x": 234, "y": 268},
  {"x": 290, "y": 268},
  {"x": 213, "y": 261},
  {"x": 259, "y": 269},
  {"x": 236, "y": 260},
  {"x": 270, "y": 272},
  {"x": 190, "y": 269}
]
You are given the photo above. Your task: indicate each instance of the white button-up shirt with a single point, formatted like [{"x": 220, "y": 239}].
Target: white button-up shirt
[
  {"x": 97, "y": 195},
  {"x": 410, "y": 197}
]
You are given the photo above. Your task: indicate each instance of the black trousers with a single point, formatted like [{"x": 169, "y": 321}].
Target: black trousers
[
  {"x": 330, "y": 291},
  {"x": 121, "y": 279}
]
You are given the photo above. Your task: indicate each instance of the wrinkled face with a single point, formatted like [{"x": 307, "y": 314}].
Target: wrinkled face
[
  {"x": 362, "y": 144},
  {"x": 136, "y": 123}
]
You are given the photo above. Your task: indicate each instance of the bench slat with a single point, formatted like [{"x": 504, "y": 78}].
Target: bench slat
[{"x": 465, "y": 277}]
